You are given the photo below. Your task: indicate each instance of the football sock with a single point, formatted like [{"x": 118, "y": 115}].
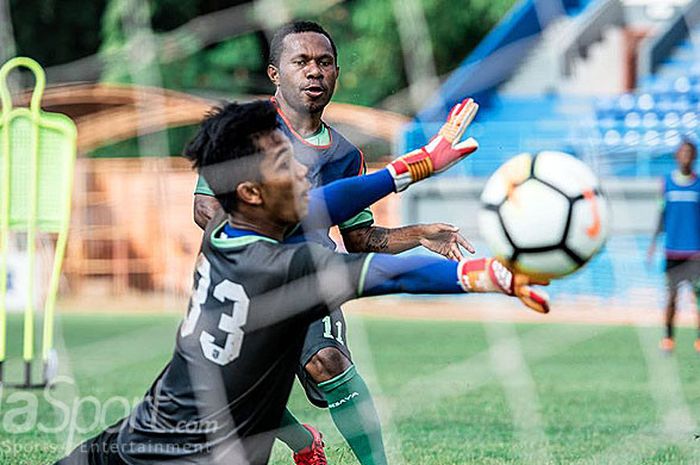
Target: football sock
[
  {"x": 292, "y": 433},
  {"x": 669, "y": 331},
  {"x": 353, "y": 412}
]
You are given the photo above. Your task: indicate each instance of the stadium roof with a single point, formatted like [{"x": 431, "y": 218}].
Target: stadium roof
[{"x": 497, "y": 56}]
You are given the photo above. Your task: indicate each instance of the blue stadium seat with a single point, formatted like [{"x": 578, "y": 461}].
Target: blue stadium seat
[
  {"x": 690, "y": 119},
  {"x": 630, "y": 134},
  {"x": 633, "y": 120},
  {"x": 651, "y": 138},
  {"x": 650, "y": 120},
  {"x": 671, "y": 119},
  {"x": 645, "y": 102}
]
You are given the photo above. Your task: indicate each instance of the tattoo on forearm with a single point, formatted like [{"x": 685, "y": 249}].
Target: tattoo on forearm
[
  {"x": 378, "y": 240},
  {"x": 383, "y": 240}
]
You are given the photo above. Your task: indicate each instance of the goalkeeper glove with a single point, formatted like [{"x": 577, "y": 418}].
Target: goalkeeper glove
[
  {"x": 490, "y": 275},
  {"x": 443, "y": 151}
]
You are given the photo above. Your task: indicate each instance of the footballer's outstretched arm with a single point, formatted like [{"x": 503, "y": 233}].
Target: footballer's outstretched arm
[
  {"x": 319, "y": 279},
  {"x": 337, "y": 278},
  {"x": 386, "y": 274},
  {"x": 440, "y": 238},
  {"x": 342, "y": 200}
]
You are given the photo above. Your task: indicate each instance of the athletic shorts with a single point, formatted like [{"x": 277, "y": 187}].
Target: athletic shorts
[
  {"x": 678, "y": 271},
  {"x": 100, "y": 450},
  {"x": 329, "y": 331}
]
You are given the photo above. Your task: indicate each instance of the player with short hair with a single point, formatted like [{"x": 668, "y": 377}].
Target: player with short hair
[
  {"x": 680, "y": 219},
  {"x": 223, "y": 395},
  {"x": 303, "y": 67}
]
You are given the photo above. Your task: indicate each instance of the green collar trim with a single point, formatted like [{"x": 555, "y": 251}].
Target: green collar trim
[
  {"x": 363, "y": 274},
  {"x": 231, "y": 242},
  {"x": 321, "y": 137}
]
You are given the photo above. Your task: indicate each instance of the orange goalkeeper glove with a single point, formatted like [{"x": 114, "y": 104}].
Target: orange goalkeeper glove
[
  {"x": 490, "y": 275},
  {"x": 443, "y": 151}
]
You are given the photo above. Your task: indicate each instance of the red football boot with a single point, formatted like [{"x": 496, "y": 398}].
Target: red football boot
[
  {"x": 667, "y": 345},
  {"x": 313, "y": 454}
]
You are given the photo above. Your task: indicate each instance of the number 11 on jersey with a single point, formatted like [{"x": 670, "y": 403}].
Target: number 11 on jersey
[{"x": 328, "y": 329}]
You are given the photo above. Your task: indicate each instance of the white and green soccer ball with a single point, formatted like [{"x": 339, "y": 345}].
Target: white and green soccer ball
[{"x": 544, "y": 214}]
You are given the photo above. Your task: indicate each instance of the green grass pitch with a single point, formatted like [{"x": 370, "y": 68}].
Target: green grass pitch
[{"x": 448, "y": 392}]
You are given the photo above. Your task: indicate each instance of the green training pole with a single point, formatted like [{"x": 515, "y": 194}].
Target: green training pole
[
  {"x": 29, "y": 309},
  {"x": 69, "y": 130},
  {"x": 4, "y": 218}
]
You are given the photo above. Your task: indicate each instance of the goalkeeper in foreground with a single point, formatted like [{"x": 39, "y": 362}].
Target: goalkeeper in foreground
[{"x": 223, "y": 394}]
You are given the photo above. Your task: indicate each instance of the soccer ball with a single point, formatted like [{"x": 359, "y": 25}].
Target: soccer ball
[{"x": 544, "y": 214}]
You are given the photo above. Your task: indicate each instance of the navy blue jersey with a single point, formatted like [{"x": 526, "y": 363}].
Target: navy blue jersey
[
  {"x": 338, "y": 159},
  {"x": 682, "y": 216}
]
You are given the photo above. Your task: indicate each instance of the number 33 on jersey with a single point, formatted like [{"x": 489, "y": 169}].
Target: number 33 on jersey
[{"x": 231, "y": 324}]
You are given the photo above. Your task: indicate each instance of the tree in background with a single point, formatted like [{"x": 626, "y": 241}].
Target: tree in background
[
  {"x": 365, "y": 31},
  {"x": 370, "y": 50},
  {"x": 53, "y": 31}
]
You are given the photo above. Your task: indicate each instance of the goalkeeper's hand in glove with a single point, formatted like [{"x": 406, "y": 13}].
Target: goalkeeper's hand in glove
[
  {"x": 443, "y": 151},
  {"x": 490, "y": 275}
]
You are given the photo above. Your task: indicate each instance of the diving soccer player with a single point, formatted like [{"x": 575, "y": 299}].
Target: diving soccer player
[
  {"x": 223, "y": 395},
  {"x": 303, "y": 67}
]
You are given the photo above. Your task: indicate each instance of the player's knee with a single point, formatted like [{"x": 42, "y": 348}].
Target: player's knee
[
  {"x": 671, "y": 304},
  {"x": 696, "y": 291},
  {"x": 326, "y": 364}
]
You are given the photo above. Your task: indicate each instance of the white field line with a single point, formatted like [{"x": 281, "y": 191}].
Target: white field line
[{"x": 512, "y": 371}]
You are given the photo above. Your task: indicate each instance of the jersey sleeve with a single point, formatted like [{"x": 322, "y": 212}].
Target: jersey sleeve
[
  {"x": 362, "y": 220},
  {"x": 320, "y": 278},
  {"x": 203, "y": 188},
  {"x": 413, "y": 274},
  {"x": 365, "y": 218}
]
